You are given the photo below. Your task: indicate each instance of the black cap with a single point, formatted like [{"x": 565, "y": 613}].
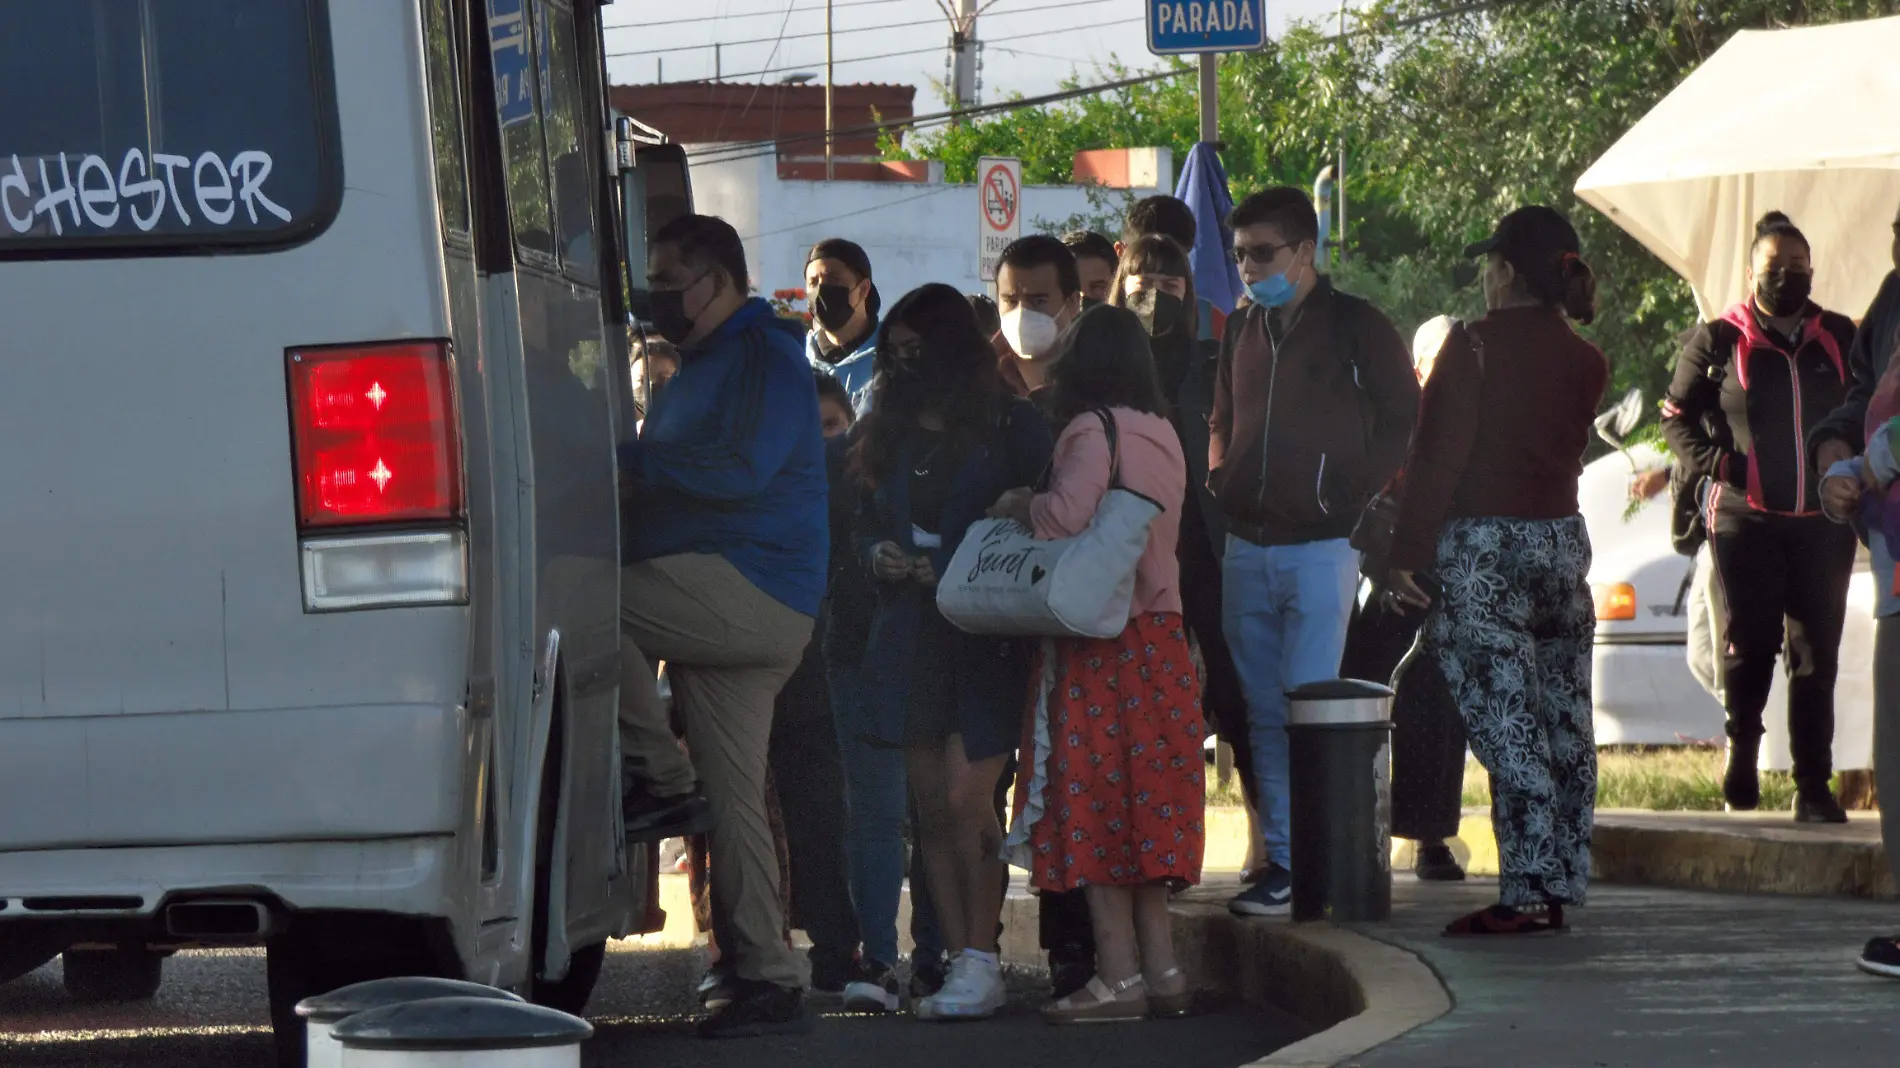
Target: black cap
[
  {"x": 849, "y": 253},
  {"x": 1529, "y": 236}
]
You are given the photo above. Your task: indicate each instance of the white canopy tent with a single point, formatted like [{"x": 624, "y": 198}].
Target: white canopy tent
[{"x": 1803, "y": 121}]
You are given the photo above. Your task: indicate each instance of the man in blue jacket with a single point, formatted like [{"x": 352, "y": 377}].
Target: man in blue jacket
[
  {"x": 725, "y": 551},
  {"x": 844, "y": 306}
]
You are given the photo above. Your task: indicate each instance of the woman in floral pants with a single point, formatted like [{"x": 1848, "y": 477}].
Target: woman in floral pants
[{"x": 1490, "y": 507}]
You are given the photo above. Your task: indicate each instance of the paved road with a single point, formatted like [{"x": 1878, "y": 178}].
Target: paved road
[
  {"x": 210, "y": 1012},
  {"x": 1650, "y": 977}
]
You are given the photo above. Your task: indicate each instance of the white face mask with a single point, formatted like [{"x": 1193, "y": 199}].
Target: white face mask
[{"x": 1030, "y": 333}]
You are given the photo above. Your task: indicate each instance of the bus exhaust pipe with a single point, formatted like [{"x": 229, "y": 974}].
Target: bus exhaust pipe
[{"x": 219, "y": 920}]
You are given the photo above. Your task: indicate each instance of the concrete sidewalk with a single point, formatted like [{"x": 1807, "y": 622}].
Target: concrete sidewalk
[{"x": 1648, "y": 977}]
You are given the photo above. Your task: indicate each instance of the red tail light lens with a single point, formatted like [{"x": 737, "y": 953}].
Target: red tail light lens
[{"x": 375, "y": 434}]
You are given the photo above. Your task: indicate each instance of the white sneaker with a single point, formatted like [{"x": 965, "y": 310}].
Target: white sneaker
[{"x": 974, "y": 990}]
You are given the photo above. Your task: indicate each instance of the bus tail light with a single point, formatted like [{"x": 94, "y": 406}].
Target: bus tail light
[{"x": 376, "y": 443}]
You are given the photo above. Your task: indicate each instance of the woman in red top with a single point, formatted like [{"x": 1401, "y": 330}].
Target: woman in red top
[
  {"x": 1491, "y": 508},
  {"x": 1113, "y": 786}
]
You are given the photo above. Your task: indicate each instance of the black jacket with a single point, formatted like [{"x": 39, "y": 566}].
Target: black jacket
[
  {"x": 1874, "y": 343},
  {"x": 1745, "y": 402}
]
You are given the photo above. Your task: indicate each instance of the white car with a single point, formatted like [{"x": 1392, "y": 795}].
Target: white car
[{"x": 1644, "y": 690}]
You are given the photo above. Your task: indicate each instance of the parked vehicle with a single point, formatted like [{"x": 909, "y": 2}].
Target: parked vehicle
[{"x": 316, "y": 365}]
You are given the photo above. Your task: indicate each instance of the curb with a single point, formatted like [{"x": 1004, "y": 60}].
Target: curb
[
  {"x": 1743, "y": 858},
  {"x": 1357, "y": 992}
]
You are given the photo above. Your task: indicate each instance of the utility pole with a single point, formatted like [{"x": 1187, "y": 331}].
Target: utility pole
[
  {"x": 1341, "y": 182},
  {"x": 659, "y": 70},
  {"x": 830, "y": 172},
  {"x": 1210, "y": 97},
  {"x": 717, "y": 67},
  {"x": 963, "y": 55}
]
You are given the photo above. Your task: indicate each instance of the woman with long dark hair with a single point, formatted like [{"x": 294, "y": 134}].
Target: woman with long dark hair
[
  {"x": 1490, "y": 508},
  {"x": 1113, "y": 790},
  {"x": 1751, "y": 389},
  {"x": 942, "y": 441}
]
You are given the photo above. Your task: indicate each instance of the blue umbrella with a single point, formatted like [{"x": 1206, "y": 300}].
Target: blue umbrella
[{"x": 1203, "y": 186}]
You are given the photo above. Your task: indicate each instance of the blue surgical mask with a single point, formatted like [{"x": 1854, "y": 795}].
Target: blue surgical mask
[{"x": 1273, "y": 291}]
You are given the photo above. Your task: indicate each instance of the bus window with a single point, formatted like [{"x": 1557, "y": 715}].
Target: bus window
[
  {"x": 145, "y": 125},
  {"x": 566, "y": 126},
  {"x": 517, "y": 99},
  {"x": 445, "y": 118}
]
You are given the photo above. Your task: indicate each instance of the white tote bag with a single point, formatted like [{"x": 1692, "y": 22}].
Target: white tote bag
[{"x": 1004, "y": 580}]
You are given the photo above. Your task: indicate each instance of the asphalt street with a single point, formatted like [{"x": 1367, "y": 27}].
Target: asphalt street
[{"x": 211, "y": 1012}]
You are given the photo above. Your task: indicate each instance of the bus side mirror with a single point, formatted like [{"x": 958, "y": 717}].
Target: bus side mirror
[{"x": 655, "y": 189}]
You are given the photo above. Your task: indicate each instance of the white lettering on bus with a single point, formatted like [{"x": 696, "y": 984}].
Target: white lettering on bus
[{"x": 85, "y": 187}]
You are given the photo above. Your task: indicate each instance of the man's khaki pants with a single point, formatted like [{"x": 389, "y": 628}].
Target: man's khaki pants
[{"x": 728, "y": 648}]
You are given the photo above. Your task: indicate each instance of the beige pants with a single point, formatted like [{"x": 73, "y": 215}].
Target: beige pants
[{"x": 728, "y": 647}]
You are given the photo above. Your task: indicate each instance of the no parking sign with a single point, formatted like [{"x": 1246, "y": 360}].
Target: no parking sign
[{"x": 999, "y": 215}]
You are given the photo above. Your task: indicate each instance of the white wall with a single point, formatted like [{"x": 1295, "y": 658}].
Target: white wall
[{"x": 914, "y": 232}]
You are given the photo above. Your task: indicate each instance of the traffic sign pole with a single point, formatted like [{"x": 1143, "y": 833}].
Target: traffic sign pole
[{"x": 1210, "y": 97}]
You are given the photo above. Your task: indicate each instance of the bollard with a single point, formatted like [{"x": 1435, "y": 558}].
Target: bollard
[
  {"x": 322, "y": 1012},
  {"x": 1339, "y": 735},
  {"x": 462, "y": 1032}
]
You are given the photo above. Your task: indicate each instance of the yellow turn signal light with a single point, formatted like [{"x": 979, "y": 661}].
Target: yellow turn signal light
[{"x": 1615, "y": 600}]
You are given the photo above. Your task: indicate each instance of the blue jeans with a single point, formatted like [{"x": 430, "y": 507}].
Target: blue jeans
[
  {"x": 877, "y": 809},
  {"x": 1285, "y": 609}
]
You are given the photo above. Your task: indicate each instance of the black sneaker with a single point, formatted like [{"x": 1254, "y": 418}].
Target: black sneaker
[
  {"x": 875, "y": 989},
  {"x": 1436, "y": 865},
  {"x": 927, "y": 975},
  {"x": 1818, "y": 806},
  {"x": 716, "y": 987},
  {"x": 759, "y": 1009},
  {"x": 654, "y": 819},
  {"x": 1070, "y": 969},
  {"x": 1881, "y": 957},
  {"x": 1271, "y": 896},
  {"x": 830, "y": 974},
  {"x": 1741, "y": 784}
]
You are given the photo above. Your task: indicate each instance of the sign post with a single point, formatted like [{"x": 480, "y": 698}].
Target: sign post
[
  {"x": 1207, "y": 27},
  {"x": 999, "y": 210}
]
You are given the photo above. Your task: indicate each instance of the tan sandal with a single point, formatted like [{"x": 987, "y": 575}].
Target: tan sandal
[
  {"x": 1105, "y": 1004},
  {"x": 1171, "y": 1006}
]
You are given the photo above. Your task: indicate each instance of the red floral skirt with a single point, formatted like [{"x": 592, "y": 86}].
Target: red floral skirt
[{"x": 1114, "y": 790}]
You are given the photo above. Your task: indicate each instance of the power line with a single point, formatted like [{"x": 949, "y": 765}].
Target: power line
[
  {"x": 750, "y": 100},
  {"x": 753, "y": 149},
  {"x": 890, "y": 55},
  {"x": 839, "y": 33},
  {"x": 701, "y": 20}
]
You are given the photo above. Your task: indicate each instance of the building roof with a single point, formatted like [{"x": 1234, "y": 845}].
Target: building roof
[{"x": 715, "y": 112}]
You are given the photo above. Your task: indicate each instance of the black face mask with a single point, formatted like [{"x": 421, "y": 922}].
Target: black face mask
[
  {"x": 832, "y": 307},
  {"x": 1163, "y": 315},
  {"x": 669, "y": 313},
  {"x": 1090, "y": 302},
  {"x": 1784, "y": 292}
]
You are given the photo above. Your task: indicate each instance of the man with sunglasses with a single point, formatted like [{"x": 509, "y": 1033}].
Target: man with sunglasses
[{"x": 1314, "y": 403}]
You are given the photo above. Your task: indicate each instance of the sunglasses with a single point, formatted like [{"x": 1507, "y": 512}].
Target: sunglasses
[{"x": 1261, "y": 254}]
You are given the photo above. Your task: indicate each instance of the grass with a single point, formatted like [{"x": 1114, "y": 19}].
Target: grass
[{"x": 1660, "y": 779}]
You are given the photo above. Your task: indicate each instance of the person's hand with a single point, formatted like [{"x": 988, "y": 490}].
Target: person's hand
[
  {"x": 1831, "y": 452},
  {"x": 922, "y": 570},
  {"x": 1402, "y": 589},
  {"x": 1013, "y": 504},
  {"x": 1648, "y": 484},
  {"x": 889, "y": 563},
  {"x": 1840, "y": 496}
]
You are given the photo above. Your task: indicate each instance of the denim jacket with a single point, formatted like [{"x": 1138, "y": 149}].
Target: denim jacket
[{"x": 987, "y": 670}]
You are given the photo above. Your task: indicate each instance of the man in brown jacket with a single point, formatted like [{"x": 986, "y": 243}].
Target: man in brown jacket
[{"x": 1314, "y": 405}]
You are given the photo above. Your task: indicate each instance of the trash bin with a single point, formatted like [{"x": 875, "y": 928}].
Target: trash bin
[
  {"x": 463, "y": 1032},
  {"x": 322, "y": 1012},
  {"x": 1339, "y": 736}
]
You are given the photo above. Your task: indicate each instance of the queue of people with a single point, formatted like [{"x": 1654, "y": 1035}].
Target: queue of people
[{"x": 1329, "y": 503}]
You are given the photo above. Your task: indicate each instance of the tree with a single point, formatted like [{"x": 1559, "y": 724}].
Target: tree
[{"x": 1451, "y": 118}]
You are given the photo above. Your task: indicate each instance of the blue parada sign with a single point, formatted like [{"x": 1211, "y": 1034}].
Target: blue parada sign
[{"x": 1177, "y": 27}]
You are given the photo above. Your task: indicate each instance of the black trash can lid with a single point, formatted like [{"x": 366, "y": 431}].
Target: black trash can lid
[
  {"x": 462, "y": 1023},
  {"x": 377, "y": 993},
  {"x": 1339, "y": 690}
]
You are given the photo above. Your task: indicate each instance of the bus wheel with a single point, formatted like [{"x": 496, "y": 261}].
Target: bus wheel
[
  {"x": 570, "y": 995},
  {"x": 105, "y": 975}
]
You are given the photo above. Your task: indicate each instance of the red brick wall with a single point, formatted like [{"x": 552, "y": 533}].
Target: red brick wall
[{"x": 703, "y": 112}]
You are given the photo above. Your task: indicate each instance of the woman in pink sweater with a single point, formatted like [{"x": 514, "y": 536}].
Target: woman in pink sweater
[{"x": 1113, "y": 787}]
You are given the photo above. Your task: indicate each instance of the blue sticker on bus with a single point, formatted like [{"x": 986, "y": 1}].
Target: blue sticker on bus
[{"x": 508, "y": 44}]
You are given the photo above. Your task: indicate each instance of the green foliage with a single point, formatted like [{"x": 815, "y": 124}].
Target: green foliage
[{"x": 1449, "y": 122}]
